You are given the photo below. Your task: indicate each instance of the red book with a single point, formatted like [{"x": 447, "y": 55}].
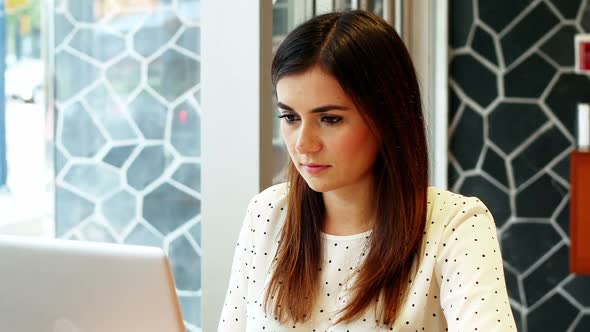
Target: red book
[{"x": 580, "y": 212}]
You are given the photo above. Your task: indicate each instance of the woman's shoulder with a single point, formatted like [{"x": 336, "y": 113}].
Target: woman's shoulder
[
  {"x": 438, "y": 196},
  {"x": 445, "y": 205},
  {"x": 271, "y": 199},
  {"x": 435, "y": 193},
  {"x": 267, "y": 211},
  {"x": 272, "y": 194}
]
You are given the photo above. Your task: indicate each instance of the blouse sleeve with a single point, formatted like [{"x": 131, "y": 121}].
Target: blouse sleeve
[
  {"x": 234, "y": 313},
  {"x": 470, "y": 272}
]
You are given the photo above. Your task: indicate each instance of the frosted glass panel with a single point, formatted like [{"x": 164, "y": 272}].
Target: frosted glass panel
[{"x": 126, "y": 86}]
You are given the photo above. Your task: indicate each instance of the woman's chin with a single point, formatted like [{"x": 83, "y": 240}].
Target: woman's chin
[{"x": 317, "y": 185}]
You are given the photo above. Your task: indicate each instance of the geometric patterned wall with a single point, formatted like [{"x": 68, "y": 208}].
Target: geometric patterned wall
[
  {"x": 127, "y": 105},
  {"x": 513, "y": 95}
]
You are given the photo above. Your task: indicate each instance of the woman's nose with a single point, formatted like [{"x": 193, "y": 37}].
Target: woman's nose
[{"x": 308, "y": 140}]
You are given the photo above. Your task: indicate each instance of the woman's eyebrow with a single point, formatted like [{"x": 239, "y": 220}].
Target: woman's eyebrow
[
  {"x": 320, "y": 109},
  {"x": 285, "y": 107}
]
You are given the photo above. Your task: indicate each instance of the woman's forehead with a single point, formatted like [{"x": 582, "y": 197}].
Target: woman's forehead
[{"x": 314, "y": 85}]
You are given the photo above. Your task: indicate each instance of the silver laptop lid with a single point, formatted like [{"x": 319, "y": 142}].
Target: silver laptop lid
[{"x": 74, "y": 286}]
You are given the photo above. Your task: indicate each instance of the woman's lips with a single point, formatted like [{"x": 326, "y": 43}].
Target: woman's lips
[{"x": 314, "y": 168}]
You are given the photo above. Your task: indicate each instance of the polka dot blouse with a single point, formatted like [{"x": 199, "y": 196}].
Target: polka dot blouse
[{"x": 458, "y": 282}]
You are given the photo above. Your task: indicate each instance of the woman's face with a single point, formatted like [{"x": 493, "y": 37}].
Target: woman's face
[{"x": 328, "y": 140}]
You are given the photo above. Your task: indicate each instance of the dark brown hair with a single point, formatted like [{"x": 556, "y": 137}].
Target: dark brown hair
[{"x": 373, "y": 66}]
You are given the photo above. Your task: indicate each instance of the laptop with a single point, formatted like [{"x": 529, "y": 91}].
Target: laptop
[{"x": 72, "y": 286}]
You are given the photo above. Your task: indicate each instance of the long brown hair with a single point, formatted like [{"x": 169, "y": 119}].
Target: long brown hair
[{"x": 370, "y": 61}]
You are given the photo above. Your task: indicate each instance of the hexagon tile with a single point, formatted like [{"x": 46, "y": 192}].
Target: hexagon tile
[
  {"x": 513, "y": 94},
  {"x": 127, "y": 130}
]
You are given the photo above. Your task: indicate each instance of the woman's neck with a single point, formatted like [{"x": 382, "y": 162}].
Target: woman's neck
[{"x": 349, "y": 210}]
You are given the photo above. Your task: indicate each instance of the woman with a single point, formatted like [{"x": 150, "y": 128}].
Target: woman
[{"x": 356, "y": 240}]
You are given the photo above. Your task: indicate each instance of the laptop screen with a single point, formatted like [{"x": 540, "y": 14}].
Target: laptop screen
[{"x": 74, "y": 286}]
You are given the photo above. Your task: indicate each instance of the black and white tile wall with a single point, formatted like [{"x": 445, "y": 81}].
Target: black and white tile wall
[
  {"x": 513, "y": 95},
  {"x": 127, "y": 114}
]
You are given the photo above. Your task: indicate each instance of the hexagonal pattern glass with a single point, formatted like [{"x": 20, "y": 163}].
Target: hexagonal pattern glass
[
  {"x": 149, "y": 114},
  {"x": 81, "y": 10},
  {"x": 62, "y": 28},
  {"x": 189, "y": 174},
  {"x": 147, "y": 167},
  {"x": 111, "y": 115},
  {"x": 167, "y": 208},
  {"x": 76, "y": 74},
  {"x": 126, "y": 101},
  {"x": 186, "y": 264},
  {"x": 167, "y": 74},
  {"x": 185, "y": 139},
  {"x": 118, "y": 155},
  {"x": 120, "y": 210},
  {"x": 95, "y": 180},
  {"x": 79, "y": 133},
  {"x": 156, "y": 30},
  {"x": 527, "y": 100},
  {"x": 99, "y": 44},
  {"x": 70, "y": 210},
  {"x": 94, "y": 231},
  {"x": 124, "y": 76},
  {"x": 142, "y": 235}
]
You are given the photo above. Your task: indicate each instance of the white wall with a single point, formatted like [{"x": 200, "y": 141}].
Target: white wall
[
  {"x": 425, "y": 32},
  {"x": 236, "y": 132}
]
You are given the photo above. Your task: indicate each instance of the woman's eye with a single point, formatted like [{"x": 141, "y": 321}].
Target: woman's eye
[
  {"x": 331, "y": 119},
  {"x": 289, "y": 118}
]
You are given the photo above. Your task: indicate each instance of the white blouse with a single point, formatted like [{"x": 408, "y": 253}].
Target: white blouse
[{"x": 458, "y": 283}]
